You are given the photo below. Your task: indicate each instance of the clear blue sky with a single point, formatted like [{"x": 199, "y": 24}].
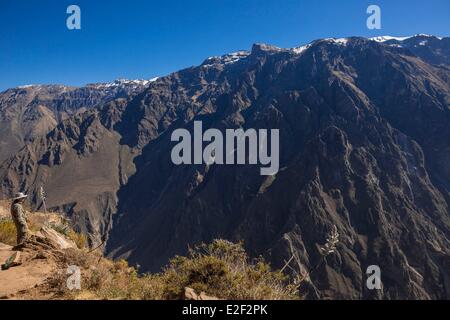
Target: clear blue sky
[{"x": 143, "y": 39}]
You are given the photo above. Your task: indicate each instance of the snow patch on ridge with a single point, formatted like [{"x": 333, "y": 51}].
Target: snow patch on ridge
[
  {"x": 123, "y": 82},
  {"x": 342, "y": 41},
  {"x": 299, "y": 50},
  {"x": 381, "y": 39},
  {"x": 26, "y": 86},
  {"x": 226, "y": 59},
  {"x": 388, "y": 38}
]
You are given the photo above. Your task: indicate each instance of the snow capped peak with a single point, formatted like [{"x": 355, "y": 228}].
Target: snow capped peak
[
  {"x": 44, "y": 87},
  {"x": 388, "y": 38},
  {"x": 342, "y": 41},
  {"x": 123, "y": 82},
  {"x": 427, "y": 36},
  {"x": 138, "y": 82},
  {"x": 126, "y": 83},
  {"x": 226, "y": 59},
  {"x": 265, "y": 47},
  {"x": 299, "y": 50}
]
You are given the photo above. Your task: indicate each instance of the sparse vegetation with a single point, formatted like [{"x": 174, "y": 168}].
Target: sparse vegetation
[
  {"x": 60, "y": 227},
  {"x": 8, "y": 233},
  {"x": 8, "y": 230},
  {"x": 79, "y": 238},
  {"x": 221, "y": 269}
]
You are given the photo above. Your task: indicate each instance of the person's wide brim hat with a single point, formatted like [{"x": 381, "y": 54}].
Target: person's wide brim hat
[{"x": 19, "y": 196}]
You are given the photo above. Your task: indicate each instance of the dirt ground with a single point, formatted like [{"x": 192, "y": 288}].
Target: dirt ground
[
  {"x": 31, "y": 273},
  {"x": 35, "y": 268}
]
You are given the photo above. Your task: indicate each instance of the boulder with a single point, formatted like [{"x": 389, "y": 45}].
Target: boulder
[
  {"x": 55, "y": 239},
  {"x": 190, "y": 294}
]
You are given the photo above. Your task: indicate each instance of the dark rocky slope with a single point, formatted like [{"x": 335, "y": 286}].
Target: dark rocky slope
[{"x": 362, "y": 127}]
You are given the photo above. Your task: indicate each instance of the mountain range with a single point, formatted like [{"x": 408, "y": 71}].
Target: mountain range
[{"x": 364, "y": 127}]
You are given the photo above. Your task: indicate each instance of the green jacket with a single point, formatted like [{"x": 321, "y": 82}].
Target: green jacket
[{"x": 18, "y": 214}]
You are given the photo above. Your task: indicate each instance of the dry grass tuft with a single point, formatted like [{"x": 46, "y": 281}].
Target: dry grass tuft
[
  {"x": 221, "y": 269},
  {"x": 8, "y": 233},
  {"x": 79, "y": 239},
  {"x": 224, "y": 270}
]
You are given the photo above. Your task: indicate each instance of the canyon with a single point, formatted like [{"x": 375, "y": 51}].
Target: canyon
[{"x": 363, "y": 132}]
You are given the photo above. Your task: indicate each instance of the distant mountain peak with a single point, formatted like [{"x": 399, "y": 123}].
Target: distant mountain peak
[
  {"x": 388, "y": 38},
  {"x": 226, "y": 58},
  {"x": 257, "y": 47},
  {"x": 123, "y": 82}
]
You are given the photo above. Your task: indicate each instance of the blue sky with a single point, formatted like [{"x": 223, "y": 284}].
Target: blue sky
[{"x": 143, "y": 39}]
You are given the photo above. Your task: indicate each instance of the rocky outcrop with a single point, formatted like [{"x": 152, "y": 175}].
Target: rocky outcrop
[
  {"x": 190, "y": 294},
  {"x": 32, "y": 263}
]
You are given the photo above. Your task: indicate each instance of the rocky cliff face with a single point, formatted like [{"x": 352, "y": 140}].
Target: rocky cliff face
[
  {"x": 81, "y": 165},
  {"x": 31, "y": 111},
  {"x": 58, "y": 137},
  {"x": 363, "y": 141}
]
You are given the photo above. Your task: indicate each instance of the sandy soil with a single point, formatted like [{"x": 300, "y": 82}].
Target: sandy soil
[{"x": 31, "y": 273}]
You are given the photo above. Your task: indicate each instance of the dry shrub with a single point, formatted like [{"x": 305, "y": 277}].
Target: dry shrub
[
  {"x": 79, "y": 239},
  {"x": 86, "y": 261},
  {"x": 103, "y": 279},
  {"x": 80, "y": 258},
  {"x": 8, "y": 234},
  {"x": 122, "y": 282},
  {"x": 220, "y": 269},
  {"x": 224, "y": 270}
]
